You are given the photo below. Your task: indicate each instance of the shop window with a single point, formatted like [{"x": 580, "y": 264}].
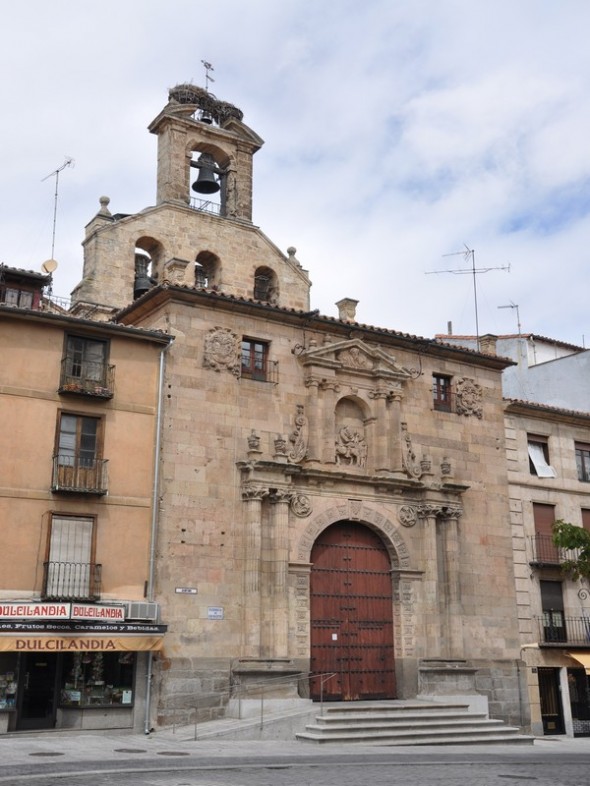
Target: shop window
[
  {"x": 97, "y": 679},
  {"x": 441, "y": 392},
  {"x": 78, "y": 465},
  {"x": 8, "y": 677},
  {"x": 583, "y": 462},
  {"x": 538, "y": 450},
  {"x": 70, "y": 572},
  {"x": 552, "y": 607},
  {"x": 254, "y": 359}
]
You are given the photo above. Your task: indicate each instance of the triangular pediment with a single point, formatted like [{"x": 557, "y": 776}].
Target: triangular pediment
[{"x": 356, "y": 357}]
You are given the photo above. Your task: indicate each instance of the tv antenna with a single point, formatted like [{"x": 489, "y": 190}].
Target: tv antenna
[
  {"x": 469, "y": 253},
  {"x": 514, "y": 305},
  {"x": 208, "y": 77},
  {"x": 66, "y": 163}
]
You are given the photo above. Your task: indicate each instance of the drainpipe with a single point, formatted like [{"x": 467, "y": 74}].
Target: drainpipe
[{"x": 154, "y": 527}]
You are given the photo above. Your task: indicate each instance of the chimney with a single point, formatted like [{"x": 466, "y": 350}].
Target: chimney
[
  {"x": 347, "y": 309},
  {"x": 487, "y": 344}
]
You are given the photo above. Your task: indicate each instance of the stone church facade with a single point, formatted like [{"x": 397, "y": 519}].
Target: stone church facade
[{"x": 333, "y": 495}]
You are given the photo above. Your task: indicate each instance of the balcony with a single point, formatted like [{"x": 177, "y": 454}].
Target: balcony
[
  {"x": 545, "y": 552},
  {"x": 75, "y": 475},
  {"x": 75, "y": 581},
  {"x": 555, "y": 630},
  {"x": 95, "y": 379}
]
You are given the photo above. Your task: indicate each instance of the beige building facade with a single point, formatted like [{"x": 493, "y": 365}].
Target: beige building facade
[
  {"x": 79, "y": 402},
  {"x": 334, "y": 508}
]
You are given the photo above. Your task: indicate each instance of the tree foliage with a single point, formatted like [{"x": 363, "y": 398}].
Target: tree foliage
[{"x": 576, "y": 541}]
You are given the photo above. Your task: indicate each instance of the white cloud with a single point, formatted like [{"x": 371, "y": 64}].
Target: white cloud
[{"x": 395, "y": 132}]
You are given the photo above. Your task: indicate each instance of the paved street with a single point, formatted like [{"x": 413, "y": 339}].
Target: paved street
[{"x": 166, "y": 759}]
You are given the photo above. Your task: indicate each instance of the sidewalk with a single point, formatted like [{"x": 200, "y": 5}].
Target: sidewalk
[{"x": 121, "y": 748}]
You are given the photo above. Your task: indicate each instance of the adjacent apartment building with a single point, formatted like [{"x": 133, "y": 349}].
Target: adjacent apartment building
[
  {"x": 547, "y": 423},
  {"x": 78, "y": 622}
]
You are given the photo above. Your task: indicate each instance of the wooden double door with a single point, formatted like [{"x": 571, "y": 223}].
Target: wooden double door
[{"x": 351, "y": 615}]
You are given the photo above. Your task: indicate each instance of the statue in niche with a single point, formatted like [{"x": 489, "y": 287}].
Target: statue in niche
[
  {"x": 351, "y": 447},
  {"x": 298, "y": 437}
]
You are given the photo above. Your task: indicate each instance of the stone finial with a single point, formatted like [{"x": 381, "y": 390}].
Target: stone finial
[
  {"x": 347, "y": 309},
  {"x": 104, "y": 206}
]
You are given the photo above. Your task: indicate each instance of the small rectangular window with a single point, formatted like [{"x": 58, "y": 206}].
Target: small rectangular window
[
  {"x": 254, "y": 359},
  {"x": 78, "y": 465},
  {"x": 552, "y": 606},
  {"x": 583, "y": 462},
  {"x": 441, "y": 392},
  {"x": 538, "y": 449}
]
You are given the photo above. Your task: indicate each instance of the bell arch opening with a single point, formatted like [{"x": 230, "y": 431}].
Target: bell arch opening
[
  {"x": 207, "y": 269},
  {"x": 266, "y": 286}
]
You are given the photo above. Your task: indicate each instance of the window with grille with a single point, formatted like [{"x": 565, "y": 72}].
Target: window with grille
[
  {"x": 254, "y": 359},
  {"x": 70, "y": 572},
  {"x": 441, "y": 392}
]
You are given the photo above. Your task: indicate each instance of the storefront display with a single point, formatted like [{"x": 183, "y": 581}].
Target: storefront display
[
  {"x": 8, "y": 681},
  {"x": 97, "y": 679}
]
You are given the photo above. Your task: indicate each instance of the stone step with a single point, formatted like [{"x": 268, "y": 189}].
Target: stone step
[
  {"x": 390, "y": 718},
  {"x": 403, "y": 725},
  {"x": 507, "y": 737}
]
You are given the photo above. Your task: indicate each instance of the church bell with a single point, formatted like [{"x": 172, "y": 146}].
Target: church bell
[{"x": 206, "y": 182}]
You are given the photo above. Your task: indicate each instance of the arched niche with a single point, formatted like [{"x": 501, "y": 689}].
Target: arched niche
[
  {"x": 351, "y": 444},
  {"x": 266, "y": 286},
  {"x": 207, "y": 270}
]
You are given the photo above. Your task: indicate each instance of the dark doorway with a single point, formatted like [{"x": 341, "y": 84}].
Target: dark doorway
[
  {"x": 351, "y": 615},
  {"x": 550, "y": 696},
  {"x": 37, "y": 701}
]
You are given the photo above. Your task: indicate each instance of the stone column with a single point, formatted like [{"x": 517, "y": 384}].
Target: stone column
[
  {"x": 328, "y": 425},
  {"x": 276, "y": 616},
  {"x": 252, "y": 496},
  {"x": 395, "y": 433},
  {"x": 450, "y": 575},
  {"x": 378, "y": 456},
  {"x": 432, "y": 589},
  {"x": 314, "y": 418}
]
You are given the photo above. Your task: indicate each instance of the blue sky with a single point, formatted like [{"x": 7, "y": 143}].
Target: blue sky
[{"x": 396, "y": 132}]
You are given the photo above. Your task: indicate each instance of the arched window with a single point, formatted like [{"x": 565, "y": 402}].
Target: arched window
[
  {"x": 206, "y": 270},
  {"x": 265, "y": 285}
]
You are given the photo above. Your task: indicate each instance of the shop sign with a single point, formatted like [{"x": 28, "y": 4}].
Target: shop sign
[
  {"x": 78, "y": 644},
  {"x": 82, "y": 611},
  {"x": 39, "y": 611}
]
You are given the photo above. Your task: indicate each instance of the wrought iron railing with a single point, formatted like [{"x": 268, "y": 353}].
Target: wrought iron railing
[
  {"x": 79, "y": 475},
  {"x": 86, "y": 378},
  {"x": 71, "y": 580},
  {"x": 205, "y": 206},
  {"x": 556, "y": 629},
  {"x": 545, "y": 552}
]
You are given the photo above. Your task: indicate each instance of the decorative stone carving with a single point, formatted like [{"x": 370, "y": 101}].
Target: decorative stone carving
[
  {"x": 253, "y": 441},
  {"x": 446, "y": 468},
  {"x": 469, "y": 398},
  {"x": 410, "y": 463},
  {"x": 222, "y": 351},
  {"x": 354, "y": 358},
  {"x": 351, "y": 447},
  {"x": 407, "y": 516},
  {"x": 298, "y": 437},
  {"x": 301, "y": 505},
  {"x": 438, "y": 510},
  {"x": 254, "y": 492},
  {"x": 280, "y": 445}
]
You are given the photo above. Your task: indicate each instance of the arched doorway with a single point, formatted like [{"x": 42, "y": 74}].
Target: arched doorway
[{"x": 351, "y": 614}]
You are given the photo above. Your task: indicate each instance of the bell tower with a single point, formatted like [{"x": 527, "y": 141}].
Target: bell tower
[{"x": 205, "y": 150}]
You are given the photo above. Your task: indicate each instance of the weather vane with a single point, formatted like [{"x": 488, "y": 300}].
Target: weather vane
[
  {"x": 469, "y": 253},
  {"x": 208, "y": 77}
]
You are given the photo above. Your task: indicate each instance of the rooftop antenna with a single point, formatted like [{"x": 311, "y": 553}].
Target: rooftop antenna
[
  {"x": 208, "y": 77},
  {"x": 469, "y": 253},
  {"x": 514, "y": 305},
  {"x": 66, "y": 163}
]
